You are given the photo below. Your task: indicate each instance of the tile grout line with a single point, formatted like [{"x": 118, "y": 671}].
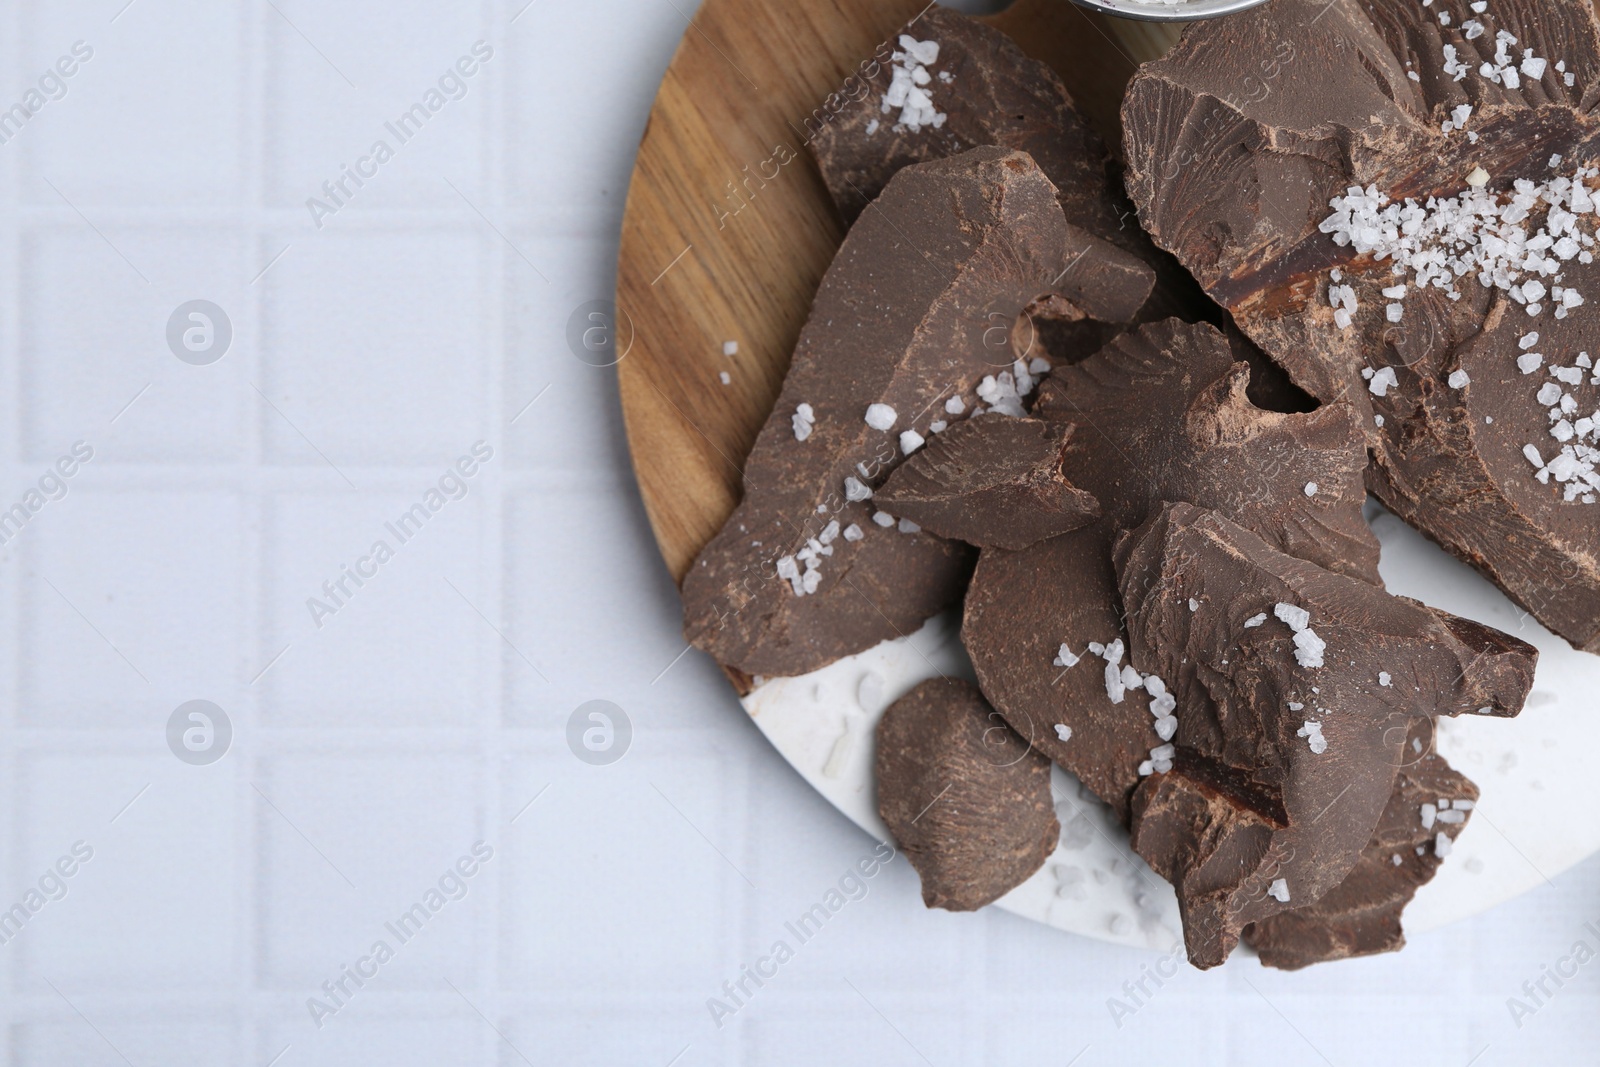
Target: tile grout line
[
  {"x": 492, "y": 675},
  {"x": 252, "y": 1037}
]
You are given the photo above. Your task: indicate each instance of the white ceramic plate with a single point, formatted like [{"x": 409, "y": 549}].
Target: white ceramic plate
[{"x": 1528, "y": 768}]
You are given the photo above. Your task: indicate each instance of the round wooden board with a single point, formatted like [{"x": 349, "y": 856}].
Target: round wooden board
[
  {"x": 699, "y": 267},
  {"x": 713, "y": 250}
]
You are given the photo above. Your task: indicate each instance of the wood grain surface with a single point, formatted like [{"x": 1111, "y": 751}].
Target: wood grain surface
[{"x": 728, "y": 228}]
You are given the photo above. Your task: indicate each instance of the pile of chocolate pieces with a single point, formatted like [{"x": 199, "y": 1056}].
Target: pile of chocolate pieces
[{"x": 1127, "y": 412}]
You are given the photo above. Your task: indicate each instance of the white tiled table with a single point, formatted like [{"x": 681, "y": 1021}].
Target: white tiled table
[{"x": 372, "y": 752}]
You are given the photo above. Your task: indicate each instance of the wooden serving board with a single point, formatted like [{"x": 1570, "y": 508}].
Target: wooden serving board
[{"x": 728, "y": 228}]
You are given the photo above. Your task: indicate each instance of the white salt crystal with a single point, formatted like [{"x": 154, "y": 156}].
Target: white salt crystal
[
  {"x": 910, "y": 441},
  {"x": 883, "y": 518},
  {"x": 880, "y": 416},
  {"x": 853, "y": 533},
  {"x": 1382, "y": 381},
  {"x": 909, "y": 527},
  {"x": 1311, "y": 488},
  {"x": 1279, "y": 891},
  {"x": 1308, "y": 648},
  {"x": 1458, "y": 379},
  {"x": 1114, "y": 687},
  {"x": 1065, "y": 657},
  {"x": 855, "y": 490},
  {"x": 1296, "y": 618},
  {"x": 1063, "y": 732},
  {"x": 730, "y": 348},
  {"x": 1255, "y": 620}
]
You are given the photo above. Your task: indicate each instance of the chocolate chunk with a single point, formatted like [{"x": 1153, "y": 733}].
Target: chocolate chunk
[
  {"x": 1296, "y": 690},
  {"x": 1361, "y": 915},
  {"x": 802, "y": 574},
  {"x": 967, "y": 800},
  {"x": 1161, "y": 414},
  {"x": 990, "y": 93},
  {"x": 991, "y": 481},
  {"x": 1238, "y": 177}
]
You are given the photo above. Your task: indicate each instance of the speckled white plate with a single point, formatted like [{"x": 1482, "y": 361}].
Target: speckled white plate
[{"x": 1093, "y": 884}]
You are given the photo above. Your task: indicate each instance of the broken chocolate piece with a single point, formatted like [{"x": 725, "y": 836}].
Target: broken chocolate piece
[
  {"x": 808, "y": 568},
  {"x": 1290, "y": 725},
  {"x": 1399, "y": 210},
  {"x": 1160, "y": 414},
  {"x": 990, "y": 481},
  {"x": 985, "y": 91},
  {"x": 966, "y": 799},
  {"x": 1361, "y": 915},
  {"x": 989, "y": 93}
]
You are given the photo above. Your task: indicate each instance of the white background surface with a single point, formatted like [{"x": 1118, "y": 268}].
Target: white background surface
[{"x": 370, "y": 753}]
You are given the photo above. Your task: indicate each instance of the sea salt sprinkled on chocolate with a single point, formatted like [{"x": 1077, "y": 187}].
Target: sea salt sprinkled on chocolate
[
  {"x": 1384, "y": 679},
  {"x": 1382, "y": 381},
  {"x": 880, "y": 416},
  {"x": 1295, "y": 618},
  {"x": 730, "y": 348},
  {"x": 1255, "y": 620},
  {"x": 1194, "y": 605},
  {"x": 1279, "y": 891},
  {"x": 1063, "y": 732},
  {"x": 804, "y": 419},
  {"x": 1311, "y": 488},
  {"x": 725, "y": 378},
  {"x": 1065, "y": 657},
  {"x": 853, "y": 533},
  {"x": 855, "y": 490},
  {"x": 910, "y": 441},
  {"x": 909, "y": 527},
  {"x": 1429, "y": 813},
  {"x": 955, "y": 405},
  {"x": 906, "y": 87},
  {"x": 1114, "y": 686},
  {"x": 1442, "y": 844},
  {"x": 1308, "y": 648},
  {"x": 883, "y": 518},
  {"x": 1458, "y": 379},
  {"x": 1312, "y": 732}
]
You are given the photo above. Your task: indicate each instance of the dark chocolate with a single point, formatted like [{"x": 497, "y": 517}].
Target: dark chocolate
[
  {"x": 1290, "y": 728},
  {"x": 901, "y": 319},
  {"x": 991, "y": 481},
  {"x": 994, "y": 95},
  {"x": 1361, "y": 915},
  {"x": 1160, "y": 414},
  {"x": 966, "y": 799},
  {"x": 1237, "y": 141}
]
